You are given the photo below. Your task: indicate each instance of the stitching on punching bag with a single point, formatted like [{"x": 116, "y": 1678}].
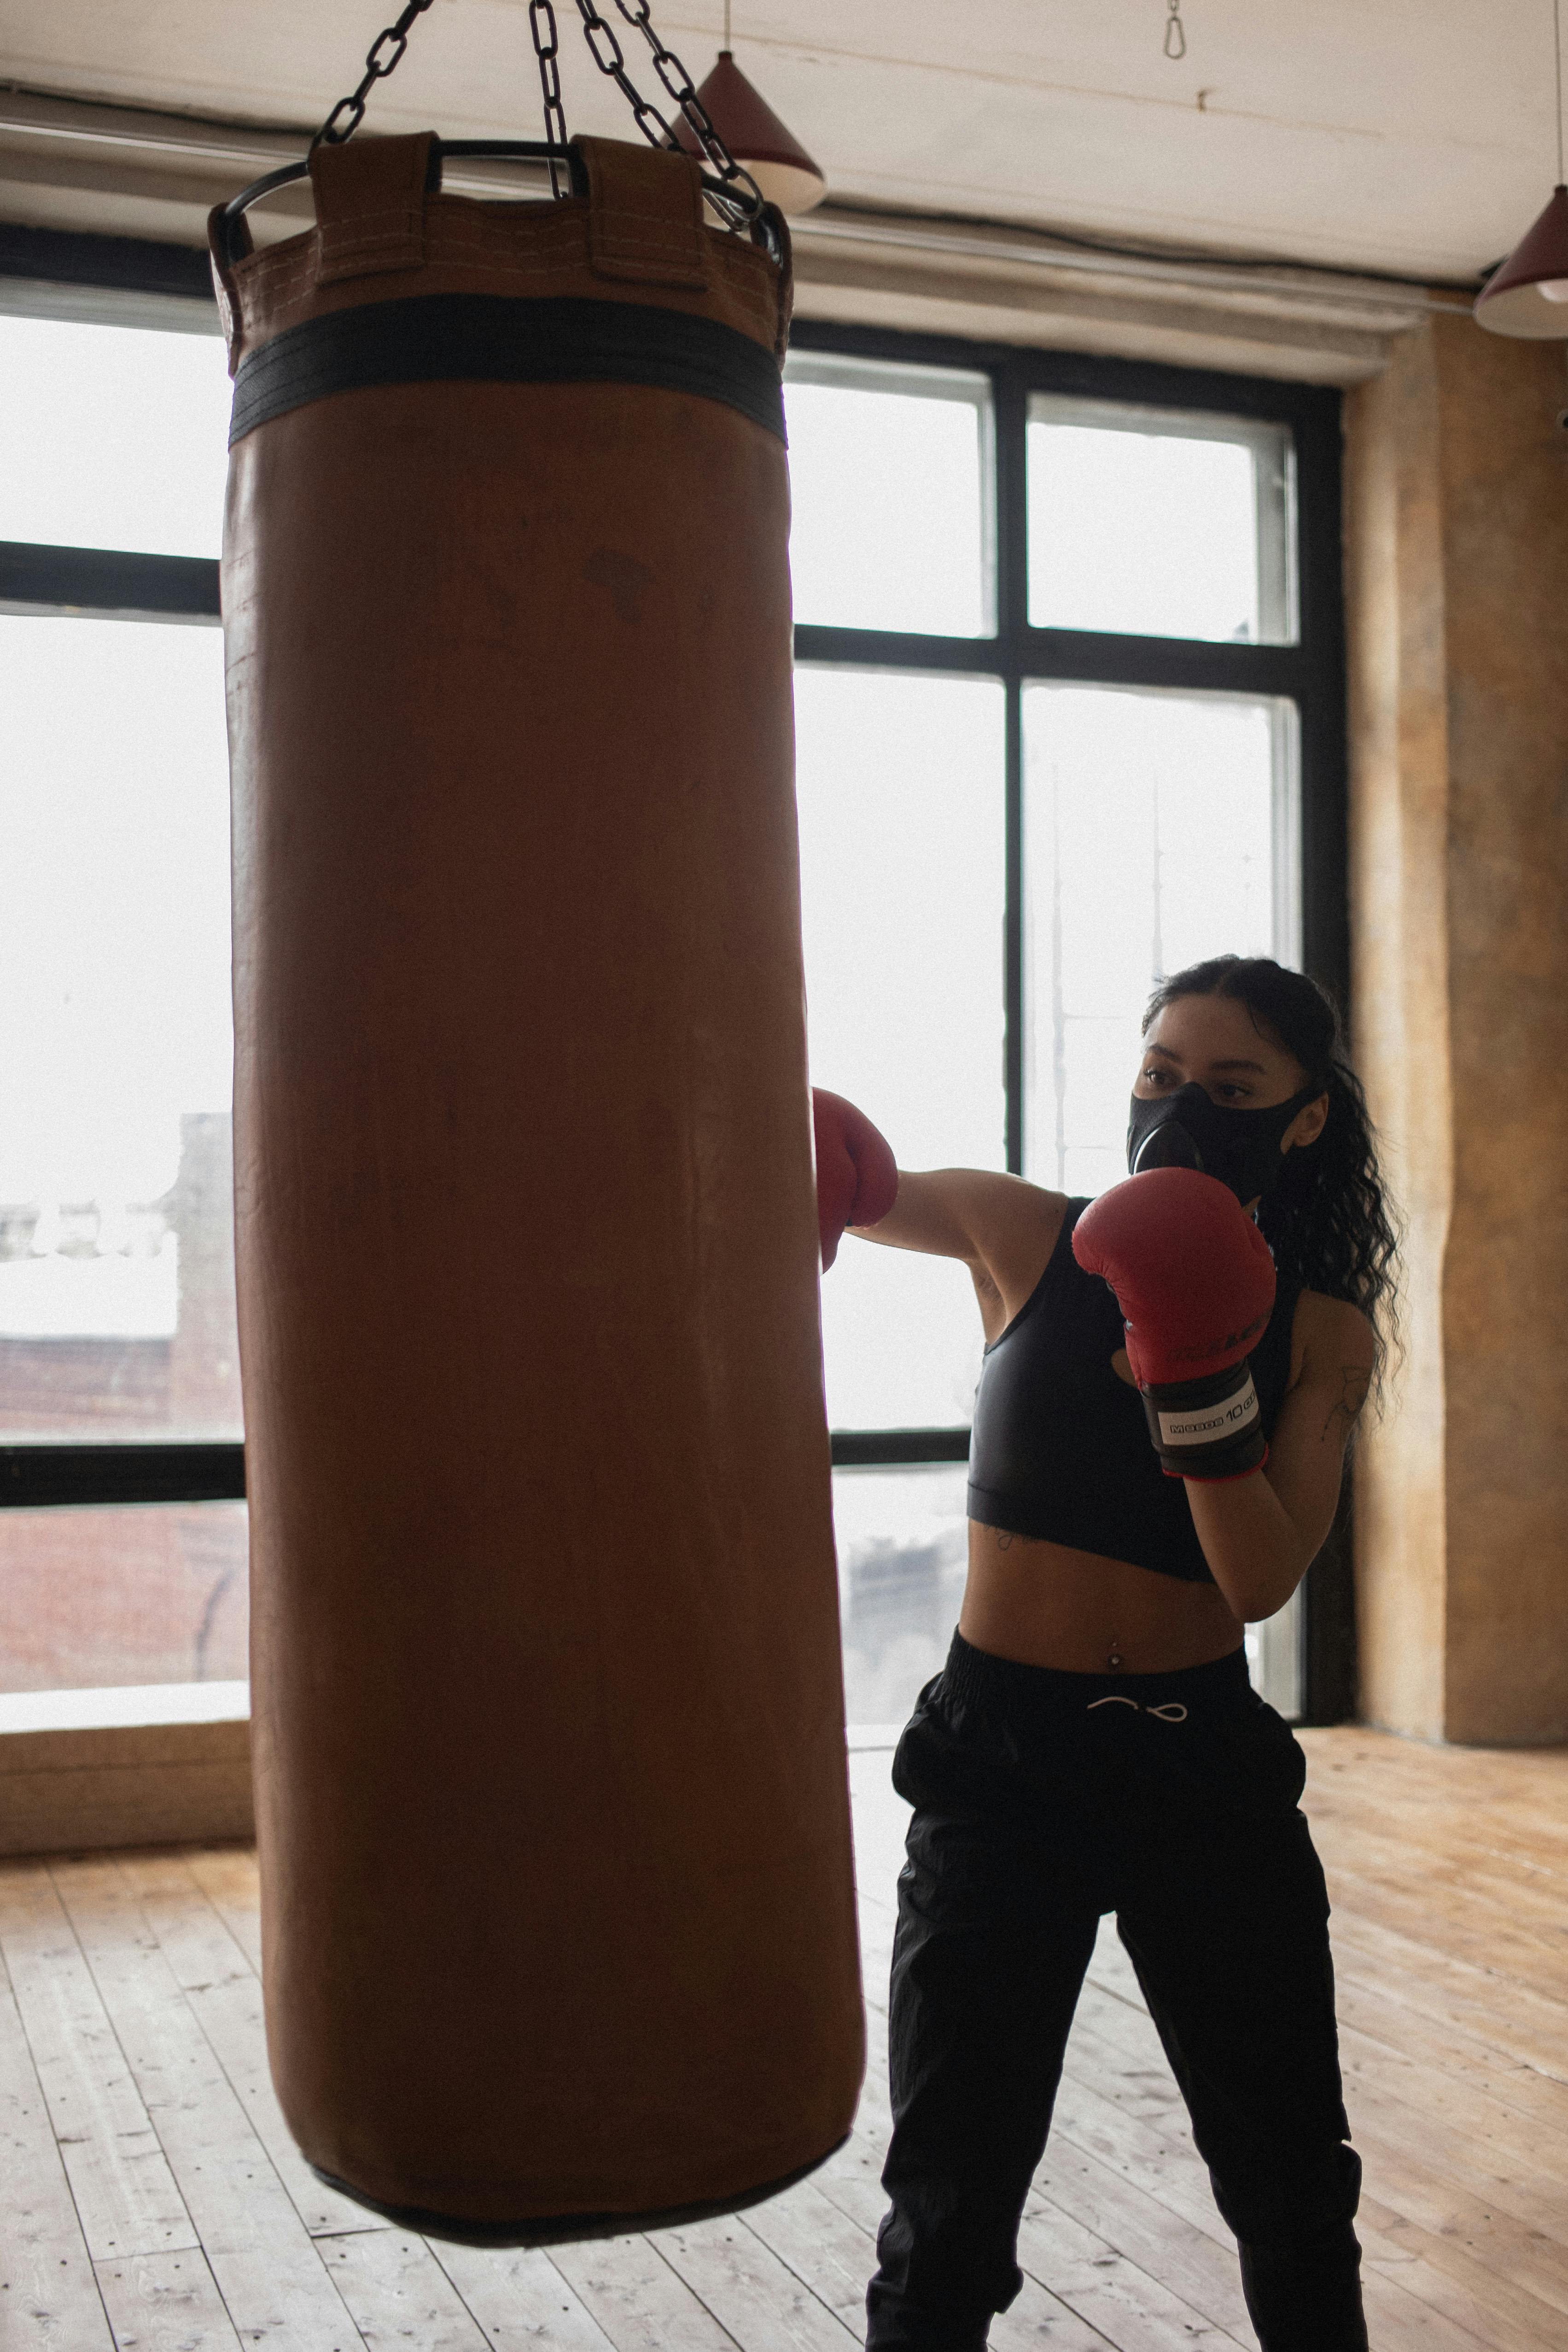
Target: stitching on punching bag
[
  {"x": 493, "y": 339},
  {"x": 370, "y": 207},
  {"x": 645, "y": 214}
]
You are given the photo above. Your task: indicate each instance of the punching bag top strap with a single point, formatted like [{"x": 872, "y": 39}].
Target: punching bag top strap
[
  {"x": 645, "y": 214},
  {"x": 370, "y": 207}
]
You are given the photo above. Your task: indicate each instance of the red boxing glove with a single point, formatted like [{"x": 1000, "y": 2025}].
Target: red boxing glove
[
  {"x": 1194, "y": 1282},
  {"x": 857, "y": 1175}
]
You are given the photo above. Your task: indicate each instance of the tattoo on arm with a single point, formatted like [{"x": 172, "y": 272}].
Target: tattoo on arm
[{"x": 1345, "y": 1410}]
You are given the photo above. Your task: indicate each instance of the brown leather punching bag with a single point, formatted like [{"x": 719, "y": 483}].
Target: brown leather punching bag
[{"x": 558, "y": 1911}]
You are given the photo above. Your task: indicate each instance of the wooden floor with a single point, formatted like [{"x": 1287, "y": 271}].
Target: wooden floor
[{"x": 150, "y": 2196}]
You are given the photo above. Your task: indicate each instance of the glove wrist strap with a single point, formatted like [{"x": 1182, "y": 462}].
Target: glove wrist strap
[{"x": 1211, "y": 1428}]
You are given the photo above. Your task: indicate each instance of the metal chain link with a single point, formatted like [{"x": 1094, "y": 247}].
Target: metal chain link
[
  {"x": 1175, "y": 31},
  {"x": 681, "y": 88},
  {"x": 743, "y": 196},
  {"x": 604, "y": 48},
  {"x": 392, "y": 39},
  {"x": 547, "y": 49}
]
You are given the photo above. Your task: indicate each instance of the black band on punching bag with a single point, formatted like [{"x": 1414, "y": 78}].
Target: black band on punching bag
[{"x": 494, "y": 339}]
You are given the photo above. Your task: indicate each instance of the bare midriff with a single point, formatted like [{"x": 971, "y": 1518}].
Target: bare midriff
[{"x": 1046, "y": 1605}]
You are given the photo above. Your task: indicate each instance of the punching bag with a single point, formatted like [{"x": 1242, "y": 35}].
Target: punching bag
[{"x": 557, "y": 1901}]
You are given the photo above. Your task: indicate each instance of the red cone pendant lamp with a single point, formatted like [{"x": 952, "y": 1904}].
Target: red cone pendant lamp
[
  {"x": 756, "y": 138},
  {"x": 1527, "y": 295}
]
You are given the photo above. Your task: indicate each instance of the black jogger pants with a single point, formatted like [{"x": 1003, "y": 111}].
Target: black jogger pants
[{"x": 1042, "y": 1800}]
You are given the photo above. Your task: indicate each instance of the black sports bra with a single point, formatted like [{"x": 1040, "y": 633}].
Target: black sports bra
[{"x": 1060, "y": 1447}]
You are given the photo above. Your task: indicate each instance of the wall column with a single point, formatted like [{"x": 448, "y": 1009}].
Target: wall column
[{"x": 1457, "y": 585}]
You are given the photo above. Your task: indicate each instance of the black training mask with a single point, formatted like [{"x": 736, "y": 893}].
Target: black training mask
[{"x": 1189, "y": 1130}]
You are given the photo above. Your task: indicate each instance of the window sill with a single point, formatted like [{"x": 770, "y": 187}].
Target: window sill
[{"x": 155, "y": 1764}]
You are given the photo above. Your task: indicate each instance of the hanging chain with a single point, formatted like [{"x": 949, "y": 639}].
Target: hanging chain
[
  {"x": 547, "y": 49},
  {"x": 1175, "y": 31},
  {"x": 384, "y": 57},
  {"x": 606, "y": 49}
]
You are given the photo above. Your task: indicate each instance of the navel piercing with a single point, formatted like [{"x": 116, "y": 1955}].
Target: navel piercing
[{"x": 1115, "y": 1658}]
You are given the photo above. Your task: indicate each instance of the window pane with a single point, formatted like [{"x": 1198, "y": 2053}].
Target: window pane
[
  {"x": 899, "y": 782},
  {"x": 116, "y": 1258},
  {"x": 1159, "y": 522},
  {"x": 890, "y": 476},
  {"x": 1158, "y": 829},
  {"x": 904, "y": 1548},
  {"x": 114, "y": 436},
  {"x": 90, "y": 1599}
]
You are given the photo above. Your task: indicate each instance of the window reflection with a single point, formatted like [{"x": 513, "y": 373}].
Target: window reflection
[
  {"x": 115, "y": 436},
  {"x": 1158, "y": 829},
  {"x": 889, "y": 479},
  {"x": 900, "y": 781},
  {"x": 116, "y": 1252},
  {"x": 903, "y": 1547},
  {"x": 91, "y": 1599},
  {"x": 1150, "y": 522}
]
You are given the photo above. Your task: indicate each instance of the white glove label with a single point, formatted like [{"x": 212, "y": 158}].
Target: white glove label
[{"x": 1205, "y": 1425}]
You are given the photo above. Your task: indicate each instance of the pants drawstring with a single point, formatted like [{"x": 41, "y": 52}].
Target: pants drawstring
[{"x": 1172, "y": 1712}]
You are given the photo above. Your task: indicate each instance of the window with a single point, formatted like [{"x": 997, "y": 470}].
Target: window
[
  {"x": 1160, "y": 522},
  {"x": 1069, "y": 716},
  {"x": 119, "y": 1364}
]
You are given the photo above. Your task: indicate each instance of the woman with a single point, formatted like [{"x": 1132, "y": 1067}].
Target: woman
[{"x": 1093, "y": 1743}]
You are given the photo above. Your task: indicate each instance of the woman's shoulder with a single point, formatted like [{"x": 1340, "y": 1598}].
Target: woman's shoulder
[{"x": 1331, "y": 1334}]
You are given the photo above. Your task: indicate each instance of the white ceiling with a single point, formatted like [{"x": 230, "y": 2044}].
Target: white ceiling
[{"x": 1413, "y": 136}]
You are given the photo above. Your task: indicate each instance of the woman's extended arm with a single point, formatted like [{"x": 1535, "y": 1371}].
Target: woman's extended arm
[
  {"x": 1001, "y": 1228},
  {"x": 1261, "y": 1534}
]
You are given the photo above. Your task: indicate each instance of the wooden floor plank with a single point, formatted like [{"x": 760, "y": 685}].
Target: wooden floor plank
[
  {"x": 1036, "y": 2322},
  {"x": 268, "y": 2270},
  {"x": 1444, "y": 2108},
  {"x": 1441, "y": 2271},
  {"x": 225, "y": 1996},
  {"x": 1501, "y": 1926},
  {"x": 1529, "y": 2016},
  {"x": 830, "y": 2253},
  {"x": 1131, "y": 2310},
  {"x": 165, "y": 2302},
  {"x": 1163, "y": 2165},
  {"x": 1442, "y": 2209},
  {"x": 852, "y": 2180},
  {"x": 397, "y": 2293},
  {"x": 227, "y": 1875},
  {"x": 1509, "y": 2017},
  {"x": 1199, "y": 2268},
  {"x": 637, "y": 2300},
  {"x": 1399, "y": 2322},
  {"x": 521, "y": 2300},
  {"x": 1497, "y": 2313},
  {"x": 125, "y": 2194},
  {"x": 50, "y": 2300},
  {"x": 1383, "y": 2016},
  {"x": 756, "y": 2298}
]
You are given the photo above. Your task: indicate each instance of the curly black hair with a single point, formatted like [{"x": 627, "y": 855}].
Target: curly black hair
[{"x": 1328, "y": 1218}]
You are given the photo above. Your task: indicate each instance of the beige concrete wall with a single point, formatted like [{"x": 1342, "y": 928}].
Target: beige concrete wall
[
  {"x": 1399, "y": 815},
  {"x": 1457, "y": 576}
]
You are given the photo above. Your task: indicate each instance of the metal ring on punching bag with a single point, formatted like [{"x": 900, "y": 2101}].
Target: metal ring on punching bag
[{"x": 552, "y": 1803}]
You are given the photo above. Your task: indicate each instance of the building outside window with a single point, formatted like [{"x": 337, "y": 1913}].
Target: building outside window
[{"x": 1068, "y": 716}]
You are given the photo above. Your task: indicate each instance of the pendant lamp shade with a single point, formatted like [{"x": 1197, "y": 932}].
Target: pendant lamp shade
[
  {"x": 1528, "y": 294},
  {"x": 756, "y": 138}
]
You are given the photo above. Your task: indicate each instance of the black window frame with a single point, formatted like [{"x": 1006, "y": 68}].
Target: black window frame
[{"x": 1309, "y": 673}]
